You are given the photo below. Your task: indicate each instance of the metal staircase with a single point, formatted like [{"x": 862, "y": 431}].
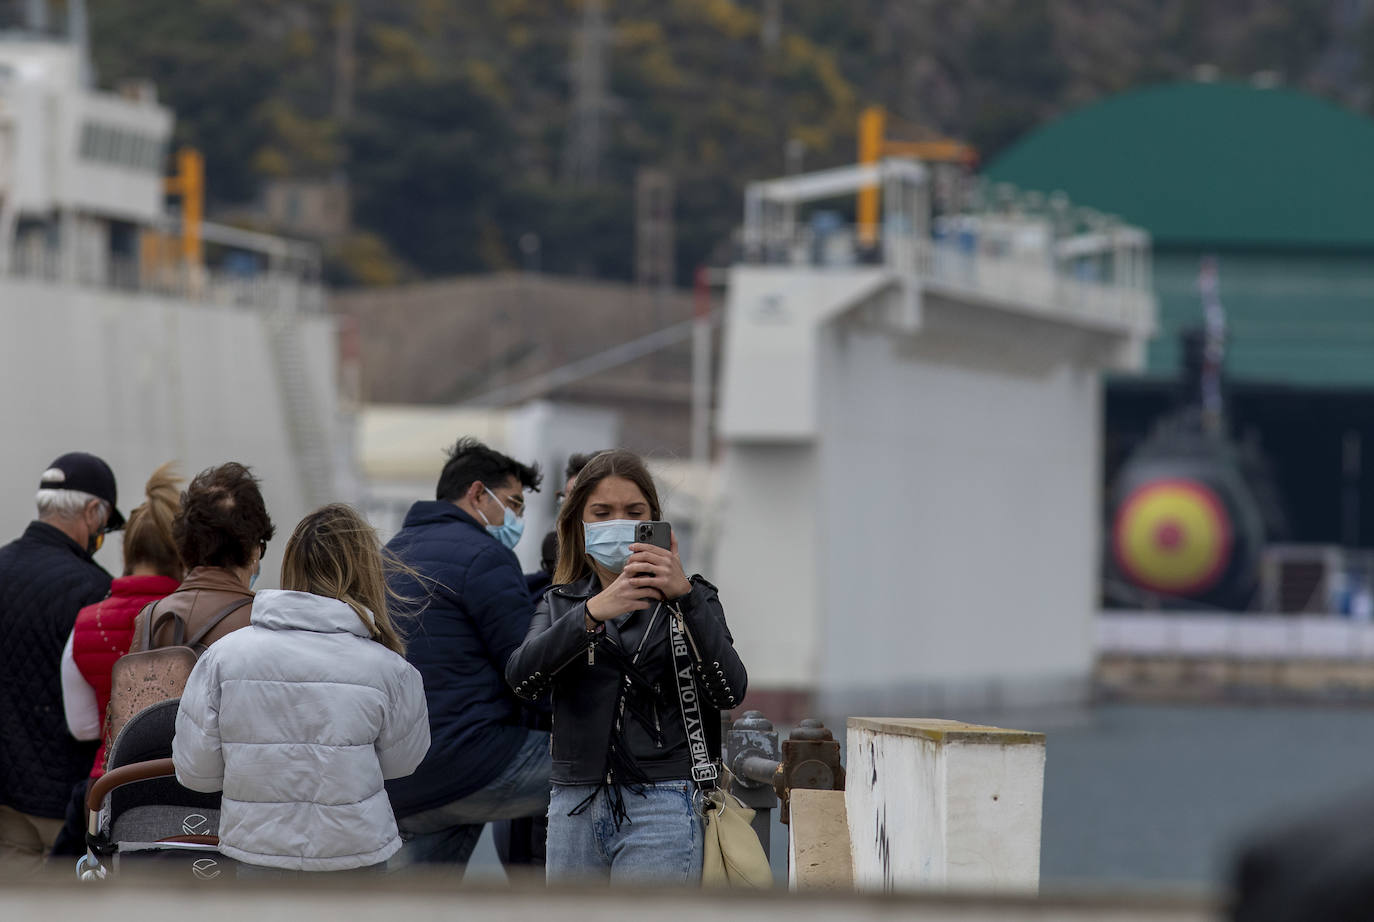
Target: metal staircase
[{"x": 307, "y": 433}]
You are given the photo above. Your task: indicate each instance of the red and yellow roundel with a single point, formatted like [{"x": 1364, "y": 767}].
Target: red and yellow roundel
[{"x": 1172, "y": 536}]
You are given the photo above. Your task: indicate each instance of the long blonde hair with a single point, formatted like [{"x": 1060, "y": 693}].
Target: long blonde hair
[
  {"x": 148, "y": 532},
  {"x": 335, "y": 553}
]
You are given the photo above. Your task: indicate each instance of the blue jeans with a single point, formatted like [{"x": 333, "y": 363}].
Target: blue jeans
[
  {"x": 447, "y": 835},
  {"x": 661, "y": 841}
]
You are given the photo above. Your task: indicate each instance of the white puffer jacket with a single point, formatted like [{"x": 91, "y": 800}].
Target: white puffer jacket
[{"x": 298, "y": 719}]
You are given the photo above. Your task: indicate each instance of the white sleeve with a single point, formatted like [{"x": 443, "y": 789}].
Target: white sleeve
[
  {"x": 404, "y": 739},
  {"x": 78, "y": 698},
  {"x": 196, "y": 750}
]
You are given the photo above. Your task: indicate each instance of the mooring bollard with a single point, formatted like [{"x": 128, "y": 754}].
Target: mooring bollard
[
  {"x": 810, "y": 759},
  {"x": 752, "y": 754}
]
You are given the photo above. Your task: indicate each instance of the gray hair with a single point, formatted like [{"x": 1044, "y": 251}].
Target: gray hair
[{"x": 63, "y": 504}]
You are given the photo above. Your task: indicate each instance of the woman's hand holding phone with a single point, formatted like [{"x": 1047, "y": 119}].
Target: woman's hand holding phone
[
  {"x": 651, "y": 573},
  {"x": 653, "y": 567},
  {"x": 620, "y": 597}
]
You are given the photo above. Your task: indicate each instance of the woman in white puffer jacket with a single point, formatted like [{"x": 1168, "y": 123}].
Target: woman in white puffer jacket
[{"x": 300, "y": 717}]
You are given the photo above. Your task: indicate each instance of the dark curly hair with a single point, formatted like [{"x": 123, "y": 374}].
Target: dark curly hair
[
  {"x": 222, "y": 518},
  {"x": 469, "y": 461}
]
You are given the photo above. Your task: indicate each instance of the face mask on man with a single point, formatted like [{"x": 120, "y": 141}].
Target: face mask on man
[
  {"x": 96, "y": 540},
  {"x": 608, "y": 543},
  {"x": 511, "y": 527}
]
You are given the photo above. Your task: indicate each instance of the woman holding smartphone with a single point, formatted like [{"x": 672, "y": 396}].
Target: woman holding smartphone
[{"x": 627, "y": 726}]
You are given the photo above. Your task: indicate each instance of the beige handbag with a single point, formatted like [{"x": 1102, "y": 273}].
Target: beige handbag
[{"x": 734, "y": 856}]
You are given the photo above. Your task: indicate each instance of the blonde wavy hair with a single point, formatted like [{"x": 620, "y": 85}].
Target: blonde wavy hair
[
  {"x": 148, "y": 532},
  {"x": 335, "y": 553}
]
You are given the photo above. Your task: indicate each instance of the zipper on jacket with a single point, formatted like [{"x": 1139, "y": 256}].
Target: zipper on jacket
[
  {"x": 658, "y": 727},
  {"x": 591, "y": 653},
  {"x": 569, "y": 661},
  {"x": 682, "y": 620}
]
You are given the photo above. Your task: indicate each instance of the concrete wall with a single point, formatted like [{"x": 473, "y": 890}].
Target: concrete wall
[
  {"x": 141, "y": 380},
  {"x": 959, "y": 504},
  {"x": 941, "y": 804},
  {"x": 910, "y": 516},
  {"x": 432, "y": 900},
  {"x": 765, "y": 562}
]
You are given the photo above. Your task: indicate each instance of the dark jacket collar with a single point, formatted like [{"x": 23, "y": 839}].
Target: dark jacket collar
[
  {"x": 43, "y": 533},
  {"x": 583, "y": 588},
  {"x": 430, "y": 511}
]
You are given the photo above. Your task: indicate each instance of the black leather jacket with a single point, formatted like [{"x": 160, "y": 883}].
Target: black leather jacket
[{"x": 586, "y": 669}]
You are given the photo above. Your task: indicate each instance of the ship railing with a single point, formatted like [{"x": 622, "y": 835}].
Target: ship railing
[
  {"x": 1102, "y": 276},
  {"x": 264, "y": 290}
]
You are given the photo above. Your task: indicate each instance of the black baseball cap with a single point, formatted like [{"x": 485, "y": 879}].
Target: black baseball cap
[{"x": 77, "y": 470}]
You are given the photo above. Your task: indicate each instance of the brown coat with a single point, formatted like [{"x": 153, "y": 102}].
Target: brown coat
[{"x": 204, "y": 593}]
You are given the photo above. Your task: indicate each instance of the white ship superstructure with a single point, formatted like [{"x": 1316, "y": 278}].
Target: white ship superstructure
[
  {"x": 81, "y": 171},
  {"x": 138, "y": 331}
]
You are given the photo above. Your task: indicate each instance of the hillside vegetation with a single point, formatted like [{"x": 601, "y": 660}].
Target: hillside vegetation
[{"x": 455, "y": 133}]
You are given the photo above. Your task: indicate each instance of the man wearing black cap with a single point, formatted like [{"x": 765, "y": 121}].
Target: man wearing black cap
[{"x": 46, "y": 577}]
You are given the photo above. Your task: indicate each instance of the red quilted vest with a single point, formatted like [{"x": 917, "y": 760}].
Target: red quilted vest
[{"x": 104, "y": 631}]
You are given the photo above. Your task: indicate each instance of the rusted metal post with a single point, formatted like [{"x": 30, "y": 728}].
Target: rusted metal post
[
  {"x": 810, "y": 759},
  {"x": 751, "y": 753}
]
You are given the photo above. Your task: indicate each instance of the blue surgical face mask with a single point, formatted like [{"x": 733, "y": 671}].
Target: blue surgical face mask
[
  {"x": 609, "y": 542},
  {"x": 510, "y": 529}
]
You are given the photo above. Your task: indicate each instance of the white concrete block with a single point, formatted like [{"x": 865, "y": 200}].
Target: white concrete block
[{"x": 943, "y": 804}]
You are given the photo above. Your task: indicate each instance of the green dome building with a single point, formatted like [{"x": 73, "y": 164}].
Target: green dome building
[{"x": 1279, "y": 187}]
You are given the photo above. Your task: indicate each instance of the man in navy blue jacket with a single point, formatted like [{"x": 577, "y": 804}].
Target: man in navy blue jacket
[{"x": 471, "y": 610}]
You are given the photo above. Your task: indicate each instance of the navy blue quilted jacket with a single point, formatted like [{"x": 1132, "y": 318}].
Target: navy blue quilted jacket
[
  {"x": 45, "y": 579},
  {"x": 473, "y": 611}
]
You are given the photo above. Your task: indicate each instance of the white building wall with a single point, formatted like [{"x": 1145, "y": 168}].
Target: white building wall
[
  {"x": 143, "y": 380},
  {"x": 958, "y": 535},
  {"x": 765, "y": 563}
]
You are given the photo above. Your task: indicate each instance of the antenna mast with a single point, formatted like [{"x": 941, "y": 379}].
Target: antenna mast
[{"x": 583, "y": 154}]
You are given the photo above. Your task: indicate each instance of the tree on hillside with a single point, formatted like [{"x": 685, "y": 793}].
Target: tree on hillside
[{"x": 462, "y": 110}]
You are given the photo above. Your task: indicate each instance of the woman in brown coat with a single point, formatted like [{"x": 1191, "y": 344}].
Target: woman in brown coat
[{"x": 222, "y": 533}]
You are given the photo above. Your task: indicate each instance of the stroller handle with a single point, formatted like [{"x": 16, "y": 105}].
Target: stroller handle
[{"x": 125, "y": 774}]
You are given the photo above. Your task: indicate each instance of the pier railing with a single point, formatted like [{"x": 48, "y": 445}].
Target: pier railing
[{"x": 765, "y": 771}]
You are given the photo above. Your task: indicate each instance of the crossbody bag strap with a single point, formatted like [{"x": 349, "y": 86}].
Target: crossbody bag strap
[
  {"x": 704, "y": 771},
  {"x": 634, "y": 661},
  {"x": 215, "y": 621}
]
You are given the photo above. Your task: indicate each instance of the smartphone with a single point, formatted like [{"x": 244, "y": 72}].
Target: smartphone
[{"x": 657, "y": 533}]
